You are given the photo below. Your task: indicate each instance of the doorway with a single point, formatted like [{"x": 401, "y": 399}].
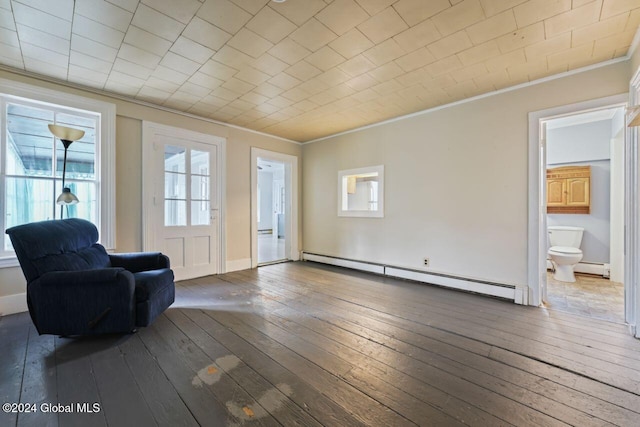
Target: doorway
[
  {"x": 588, "y": 147},
  {"x": 272, "y": 213},
  {"x": 182, "y": 203},
  {"x": 603, "y": 222},
  {"x": 274, "y": 207}
]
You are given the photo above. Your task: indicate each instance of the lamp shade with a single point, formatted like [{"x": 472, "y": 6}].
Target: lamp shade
[
  {"x": 65, "y": 133},
  {"x": 67, "y": 197}
]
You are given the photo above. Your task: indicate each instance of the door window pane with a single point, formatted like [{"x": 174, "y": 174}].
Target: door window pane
[
  {"x": 186, "y": 190},
  {"x": 175, "y": 212},
  {"x": 199, "y": 187},
  {"x": 174, "y": 159},
  {"x": 175, "y": 186},
  {"x": 199, "y": 162},
  {"x": 200, "y": 213}
]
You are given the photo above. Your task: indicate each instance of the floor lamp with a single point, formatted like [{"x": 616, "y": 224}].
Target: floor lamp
[{"x": 66, "y": 136}]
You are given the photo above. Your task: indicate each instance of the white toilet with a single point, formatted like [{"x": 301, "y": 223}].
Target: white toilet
[{"x": 565, "y": 251}]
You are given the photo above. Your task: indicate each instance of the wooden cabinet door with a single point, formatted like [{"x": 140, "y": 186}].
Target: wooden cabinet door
[
  {"x": 556, "y": 192},
  {"x": 578, "y": 192}
]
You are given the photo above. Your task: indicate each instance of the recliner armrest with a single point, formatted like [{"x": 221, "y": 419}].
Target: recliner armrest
[{"x": 136, "y": 262}]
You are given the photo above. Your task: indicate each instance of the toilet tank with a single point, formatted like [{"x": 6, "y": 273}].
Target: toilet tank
[{"x": 560, "y": 235}]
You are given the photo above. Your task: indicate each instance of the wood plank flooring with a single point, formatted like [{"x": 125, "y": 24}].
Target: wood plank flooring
[{"x": 312, "y": 345}]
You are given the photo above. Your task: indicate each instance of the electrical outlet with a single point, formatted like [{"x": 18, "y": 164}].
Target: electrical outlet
[{"x": 426, "y": 262}]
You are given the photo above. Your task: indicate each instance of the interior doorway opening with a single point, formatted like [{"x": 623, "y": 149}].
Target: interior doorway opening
[
  {"x": 588, "y": 148},
  {"x": 274, "y": 207},
  {"x": 272, "y": 212}
]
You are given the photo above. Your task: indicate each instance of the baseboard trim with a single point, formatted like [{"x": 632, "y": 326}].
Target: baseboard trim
[
  {"x": 342, "y": 262},
  {"x": 514, "y": 293},
  {"x": 11, "y": 304},
  {"x": 587, "y": 268},
  {"x": 238, "y": 264},
  {"x": 493, "y": 289}
]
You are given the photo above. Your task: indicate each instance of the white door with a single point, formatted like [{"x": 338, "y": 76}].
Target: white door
[{"x": 184, "y": 212}]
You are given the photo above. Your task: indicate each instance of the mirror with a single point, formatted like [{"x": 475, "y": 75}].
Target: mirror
[{"x": 361, "y": 192}]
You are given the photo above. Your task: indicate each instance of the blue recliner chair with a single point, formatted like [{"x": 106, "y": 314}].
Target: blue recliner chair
[{"x": 74, "y": 287}]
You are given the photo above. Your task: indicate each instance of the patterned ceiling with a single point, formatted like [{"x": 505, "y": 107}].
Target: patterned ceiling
[{"x": 304, "y": 69}]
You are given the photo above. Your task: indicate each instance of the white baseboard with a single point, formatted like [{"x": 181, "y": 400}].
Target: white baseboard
[
  {"x": 238, "y": 264},
  {"x": 341, "y": 262},
  {"x": 587, "y": 268},
  {"x": 455, "y": 283},
  {"x": 515, "y": 293},
  {"x": 11, "y": 304}
]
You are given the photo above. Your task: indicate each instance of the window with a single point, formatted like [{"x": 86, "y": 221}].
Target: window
[
  {"x": 31, "y": 160},
  {"x": 178, "y": 191},
  {"x": 360, "y": 192}
]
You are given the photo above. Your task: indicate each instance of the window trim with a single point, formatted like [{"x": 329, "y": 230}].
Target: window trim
[
  {"x": 379, "y": 212},
  {"x": 106, "y": 161}
]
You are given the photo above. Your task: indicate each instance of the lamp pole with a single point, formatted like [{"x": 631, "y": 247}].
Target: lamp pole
[
  {"x": 66, "y": 144},
  {"x": 66, "y": 136}
]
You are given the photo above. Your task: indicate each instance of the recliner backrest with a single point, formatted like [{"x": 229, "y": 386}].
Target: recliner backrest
[{"x": 57, "y": 245}]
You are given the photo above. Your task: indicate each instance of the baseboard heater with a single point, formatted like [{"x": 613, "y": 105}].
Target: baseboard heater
[
  {"x": 588, "y": 268},
  {"x": 510, "y": 292}
]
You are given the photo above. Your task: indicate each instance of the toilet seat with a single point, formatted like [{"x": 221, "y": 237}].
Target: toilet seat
[{"x": 565, "y": 250}]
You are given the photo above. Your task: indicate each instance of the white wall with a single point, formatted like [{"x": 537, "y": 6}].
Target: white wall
[
  {"x": 581, "y": 145},
  {"x": 456, "y": 187}
]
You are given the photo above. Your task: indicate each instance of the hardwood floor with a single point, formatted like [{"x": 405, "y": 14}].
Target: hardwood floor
[{"x": 311, "y": 345}]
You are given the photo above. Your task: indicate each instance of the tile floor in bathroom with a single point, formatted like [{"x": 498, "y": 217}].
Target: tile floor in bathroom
[{"x": 590, "y": 295}]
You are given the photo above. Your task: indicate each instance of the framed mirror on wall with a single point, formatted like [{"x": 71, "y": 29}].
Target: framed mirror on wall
[{"x": 361, "y": 192}]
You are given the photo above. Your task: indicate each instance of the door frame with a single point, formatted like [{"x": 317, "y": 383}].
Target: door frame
[
  {"x": 291, "y": 202},
  {"x": 149, "y": 131},
  {"x": 537, "y": 232},
  {"x": 632, "y": 211}
]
